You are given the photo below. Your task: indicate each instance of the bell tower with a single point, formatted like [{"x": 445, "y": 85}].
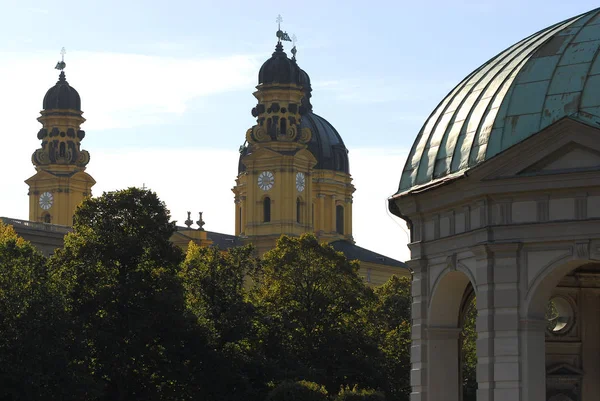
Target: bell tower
[
  {"x": 60, "y": 183},
  {"x": 272, "y": 191}
]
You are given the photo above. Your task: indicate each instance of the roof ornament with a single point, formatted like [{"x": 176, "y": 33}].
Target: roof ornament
[
  {"x": 189, "y": 220},
  {"x": 200, "y": 222},
  {"x": 61, "y": 64},
  {"x": 294, "y": 51},
  {"x": 281, "y": 35}
]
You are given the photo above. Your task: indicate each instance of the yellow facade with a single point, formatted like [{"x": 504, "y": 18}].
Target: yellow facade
[{"x": 60, "y": 183}]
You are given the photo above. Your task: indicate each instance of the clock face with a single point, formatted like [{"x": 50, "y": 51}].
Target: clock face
[
  {"x": 300, "y": 182},
  {"x": 46, "y": 200},
  {"x": 266, "y": 180}
]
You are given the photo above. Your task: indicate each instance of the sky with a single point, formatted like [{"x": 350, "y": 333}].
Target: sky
[{"x": 166, "y": 88}]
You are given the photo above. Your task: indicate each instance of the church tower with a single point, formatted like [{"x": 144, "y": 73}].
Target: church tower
[
  {"x": 293, "y": 173},
  {"x": 60, "y": 183}
]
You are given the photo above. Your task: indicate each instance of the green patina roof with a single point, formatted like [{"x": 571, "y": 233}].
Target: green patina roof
[{"x": 550, "y": 75}]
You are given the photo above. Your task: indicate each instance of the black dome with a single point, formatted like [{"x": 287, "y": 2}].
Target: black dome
[
  {"x": 279, "y": 69},
  {"x": 326, "y": 145},
  {"x": 62, "y": 96}
]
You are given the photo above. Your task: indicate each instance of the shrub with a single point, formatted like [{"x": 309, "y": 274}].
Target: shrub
[
  {"x": 355, "y": 394},
  {"x": 298, "y": 391}
]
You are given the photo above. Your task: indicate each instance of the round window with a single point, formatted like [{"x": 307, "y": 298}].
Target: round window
[{"x": 559, "y": 315}]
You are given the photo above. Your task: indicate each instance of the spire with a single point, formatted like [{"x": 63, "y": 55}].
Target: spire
[{"x": 281, "y": 35}]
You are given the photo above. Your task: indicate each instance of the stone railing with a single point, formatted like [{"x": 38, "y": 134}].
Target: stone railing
[{"x": 34, "y": 225}]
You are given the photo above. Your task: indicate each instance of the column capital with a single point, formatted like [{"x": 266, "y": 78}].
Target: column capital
[{"x": 417, "y": 265}]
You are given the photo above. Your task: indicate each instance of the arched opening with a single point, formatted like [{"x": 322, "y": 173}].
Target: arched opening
[
  {"x": 451, "y": 339},
  {"x": 283, "y": 126},
  {"x": 563, "y": 306},
  {"x": 468, "y": 345},
  {"x": 339, "y": 219},
  {"x": 46, "y": 218},
  {"x": 298, "y": 210},
  {"x": 267, "y": 209}
]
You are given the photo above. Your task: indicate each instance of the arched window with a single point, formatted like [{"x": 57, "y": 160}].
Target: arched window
[
  {"x": 47, "y": 218},
  {"x": 339, "y": 219},
  {"x": 283, "y": 124},
  {"x": 298, "y": 210},
  {"x": 267, "y": 209}
]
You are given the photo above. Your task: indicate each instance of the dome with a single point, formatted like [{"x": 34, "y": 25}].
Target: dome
[
  {"x": 62, "y": 96},
  {"x": 552, "y": 74},
  {"x": 325, "y": 144},
  {"x": 279, "y": 69}
]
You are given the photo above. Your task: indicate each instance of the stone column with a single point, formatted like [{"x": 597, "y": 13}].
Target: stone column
[
  {"x": 418, "y": 350},
  {"x": 444, "y": 374},
  {"x": 533, "y": 360},
  {"x": 498, "y": 347}
]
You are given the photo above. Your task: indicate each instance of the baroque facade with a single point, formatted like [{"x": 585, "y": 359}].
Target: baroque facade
[
  {"x": 501, "y": 192},
  {"x": 293, "y": 174}
]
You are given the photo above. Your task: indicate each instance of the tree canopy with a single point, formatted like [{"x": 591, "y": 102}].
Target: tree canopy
[{"x": 120, "y": 313}]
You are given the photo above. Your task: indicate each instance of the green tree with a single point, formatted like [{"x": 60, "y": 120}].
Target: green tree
[
  {"x": 298, "y": 391},
  {"x": 310, "y": 296},
  {"x": 33, "y": 364},
  {"x": 357, "y": 394},
  {"x": 390, "y": 321},
  {"x": 214, "y": 289},
  {"x": 468, "y": 340},
  {"x": 119, "y": 270}
]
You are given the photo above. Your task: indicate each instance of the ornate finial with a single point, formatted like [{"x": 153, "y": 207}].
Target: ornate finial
[
  {"x": 61, "y": 64},
  {"x": 280, "y": 34},
  {"x": 200, "y": 223},
  {"x": 189, "y": 220},
  {"x": 294, "y": 51}
]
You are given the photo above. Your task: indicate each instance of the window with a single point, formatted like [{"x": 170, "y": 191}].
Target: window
[
  {"x": 339, "y": 219},
  {"x": 298, "y": 207},
  {"x": 283, "y": 123},
  {"x": 47, "y": 218},
  {"x": 267, "y": 209}
]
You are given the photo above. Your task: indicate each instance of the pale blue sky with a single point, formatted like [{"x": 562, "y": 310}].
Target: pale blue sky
[{"x": 175, "y": 75}]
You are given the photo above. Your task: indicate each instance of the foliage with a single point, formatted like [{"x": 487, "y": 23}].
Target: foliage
[
  {"x": 389, "y": 317},
  {"x": 119, "y": 271},
  {"x": 298, "y": 391},
  {"x": 214, "y": 289},
  {"x": 120, "y": 314},
  {"x": 356, "y": 394},
  {"x": 468, "y": 352},
  {"x": 310, "y": 296},
  {"x": 32, "y": 337}
]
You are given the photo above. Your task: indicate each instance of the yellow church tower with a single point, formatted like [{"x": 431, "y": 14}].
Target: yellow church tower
[
  {"x": 60, "y": 183},
  {"x": 293, "y": 174}
]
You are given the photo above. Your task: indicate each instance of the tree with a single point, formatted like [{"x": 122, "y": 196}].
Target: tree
[
  {"x": 390, "y": 320},
  {"x": 310, "y": 296},
  {"x": 468, "y": 340},
  {"x": 119, "y": 270},
  {"x": 298, "y": 391},
  {"x": 33, "y": 365},
  {"x": 214, "y": 289}
]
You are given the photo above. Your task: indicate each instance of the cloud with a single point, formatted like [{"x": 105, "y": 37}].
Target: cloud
[{"x": 120, "y": 90}]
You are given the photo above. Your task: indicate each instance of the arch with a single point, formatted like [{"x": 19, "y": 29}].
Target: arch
[
  {"x": 546, "y": 280},
  {"x": 266, "y": 209},
  {"x": 447, "y": 298},
  {"x": 339, "y": 219}
]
